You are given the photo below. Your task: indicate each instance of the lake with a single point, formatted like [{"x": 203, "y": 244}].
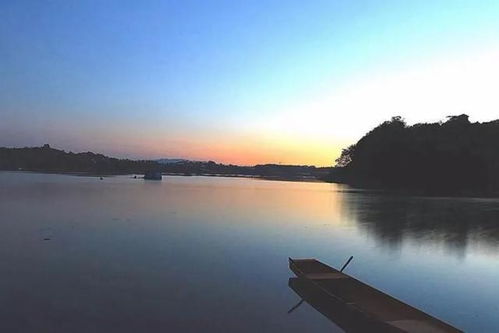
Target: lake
[{"x": 191, "y": 254}]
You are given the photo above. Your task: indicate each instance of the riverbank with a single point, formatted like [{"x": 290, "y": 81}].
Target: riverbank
[
  {"x": 140, "y": 176},
  {"x": 49, "y": 160}
]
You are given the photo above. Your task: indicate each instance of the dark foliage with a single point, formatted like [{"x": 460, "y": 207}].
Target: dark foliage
[
  {"x": 451, "y": 157},
  {"x": 269, "y": 171},
  {"x": 47, "y": 159}
]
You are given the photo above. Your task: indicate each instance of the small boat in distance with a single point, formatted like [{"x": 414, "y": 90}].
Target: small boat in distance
[
  {"x": 153, "y": 175},
  {"x": 356, "y": 306}
]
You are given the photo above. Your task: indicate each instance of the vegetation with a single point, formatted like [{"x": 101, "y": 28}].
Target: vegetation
[
  {"x": 268, "y": 171},
  {"x": 47, "y": 159},
  {"x": 451, "y": 157}
]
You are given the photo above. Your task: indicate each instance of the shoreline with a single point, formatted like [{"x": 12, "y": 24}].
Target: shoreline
[
  {"x": 352, "y": 188},
  {"x": 140, "y": 175}
]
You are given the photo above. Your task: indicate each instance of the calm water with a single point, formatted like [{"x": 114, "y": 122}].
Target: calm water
[{"x": 191, "y": 254}]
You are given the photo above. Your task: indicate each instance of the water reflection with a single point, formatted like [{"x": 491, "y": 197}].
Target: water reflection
[
  {"x": 191, "y": 253},
  {"x": 454, "y": 223}
]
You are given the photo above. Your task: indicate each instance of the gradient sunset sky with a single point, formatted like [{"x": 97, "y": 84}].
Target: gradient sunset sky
[{"x": 240, "y": 82}]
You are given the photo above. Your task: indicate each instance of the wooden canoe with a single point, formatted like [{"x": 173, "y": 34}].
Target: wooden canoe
[{"x": 356, "y": 306}]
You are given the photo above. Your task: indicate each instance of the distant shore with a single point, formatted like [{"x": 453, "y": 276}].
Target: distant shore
[
  {"x": 46, "y": 159},
  {"x": 140, "y": 176}
]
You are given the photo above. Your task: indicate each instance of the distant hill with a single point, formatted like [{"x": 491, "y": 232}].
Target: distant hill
[
  {"x": 455, "y": 157},
  {"x": 47, "y": 159},
  {"x": 170, "y": 160}
]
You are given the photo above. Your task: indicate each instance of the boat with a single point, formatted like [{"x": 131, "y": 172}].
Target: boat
[{"x": 356, "y": 306}]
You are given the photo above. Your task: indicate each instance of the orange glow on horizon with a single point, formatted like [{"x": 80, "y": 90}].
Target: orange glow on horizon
[
  {"x": 254, "y": 152},
  {"x": 241, "y": 150}
]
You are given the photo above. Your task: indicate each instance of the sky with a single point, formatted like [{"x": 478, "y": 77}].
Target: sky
[{"x": 240, "y": 82}]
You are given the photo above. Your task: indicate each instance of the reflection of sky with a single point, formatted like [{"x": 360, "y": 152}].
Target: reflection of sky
[
  {"x": 238, "y": 82},
  {"x": 197, "y": 251}
]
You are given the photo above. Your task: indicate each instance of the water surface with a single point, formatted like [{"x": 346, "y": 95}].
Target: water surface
[{"x": 191, "y": 254}]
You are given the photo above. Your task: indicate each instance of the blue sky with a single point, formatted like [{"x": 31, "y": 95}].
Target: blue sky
[{"x": 237, "y": 81}]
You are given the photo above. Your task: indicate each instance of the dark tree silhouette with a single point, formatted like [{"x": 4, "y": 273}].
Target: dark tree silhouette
[
  {"x": 47, "y": 159},
  {"x": 451, "y": 157}
]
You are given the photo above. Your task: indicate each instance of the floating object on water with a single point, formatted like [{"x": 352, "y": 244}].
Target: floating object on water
[
  {"x": 354, "y": 305},
  {"x": 153, "y": 175}
]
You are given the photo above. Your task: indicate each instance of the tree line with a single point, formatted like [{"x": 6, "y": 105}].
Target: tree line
[
  {"x": 455, "y": 157},
  {"x": 48, "y": 159}
]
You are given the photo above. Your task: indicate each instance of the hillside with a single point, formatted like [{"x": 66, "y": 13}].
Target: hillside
[{"x": 47, "y": 159}]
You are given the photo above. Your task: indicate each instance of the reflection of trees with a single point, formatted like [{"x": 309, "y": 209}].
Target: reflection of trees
[{"x": 455, "y": 223}]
